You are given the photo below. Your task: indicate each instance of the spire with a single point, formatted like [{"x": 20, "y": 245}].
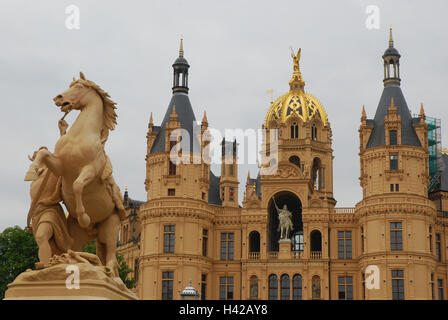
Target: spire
[
  {"x": 391, "y": 59},
  {"x": 181, "y": 48},
  {"x": 363, "y": 115},
  {"x": 296, "y": 83},
  {"x": 391, "y": 40},
  {"x": 151, "y": 122},
  {"x": 204, "y": 118},
  {"x": 422, "y": 114}
]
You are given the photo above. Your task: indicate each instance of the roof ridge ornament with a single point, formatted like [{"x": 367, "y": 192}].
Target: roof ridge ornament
[{"x": 181, "y": 48}]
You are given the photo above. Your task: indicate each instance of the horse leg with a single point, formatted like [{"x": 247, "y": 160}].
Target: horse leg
[
  {"x": 43, "y": 235},
  {"x": 79, "y": 235},
  {"x": 86, "y": 176},
  {"x": 49, "y": 159},
  {"x": 108, "y": 235}
]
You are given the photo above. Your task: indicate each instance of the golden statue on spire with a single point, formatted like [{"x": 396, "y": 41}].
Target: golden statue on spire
[{"x": 296, "y": 59}]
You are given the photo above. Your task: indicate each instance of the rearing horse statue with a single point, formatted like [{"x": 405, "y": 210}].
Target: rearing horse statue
[{"x": 89, "y": 191}]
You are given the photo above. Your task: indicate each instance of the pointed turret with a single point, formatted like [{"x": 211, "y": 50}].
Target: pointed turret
[
  {"x": 392, "y": 94},
  {"x": 183, "y": 112}
]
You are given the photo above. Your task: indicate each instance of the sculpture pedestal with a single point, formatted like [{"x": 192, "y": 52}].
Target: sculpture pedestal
[
  {"x": 57, "y": 290},
  {"x": 72, "y": 275},
  {"x": 284, "y": 250}
]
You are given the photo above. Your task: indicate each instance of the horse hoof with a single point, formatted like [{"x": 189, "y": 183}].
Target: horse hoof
[
  {"x": 31, "y": 175},
  {"x": 84, "y": 220}
]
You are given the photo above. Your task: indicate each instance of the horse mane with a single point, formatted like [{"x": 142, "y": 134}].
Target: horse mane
[{"x": 109, "y": 115}]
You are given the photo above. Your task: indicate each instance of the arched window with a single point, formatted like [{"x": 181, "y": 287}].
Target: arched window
[
  {"x": 254, "y": 241},
  {"x": 273, "y": 287},
  {"x": 297, "y": 287},
  {"x": 295, "y": 160},
  {"x": 284, "y": 280},
  {"x": 316, "y": 287},
  {"x": 316, "y": 241},
  {"x": 314, "y": 132},
  {"x": 294, "y": 131},
  {"x": 254, "y": 287},
  {"x": 318, "y": 180}
]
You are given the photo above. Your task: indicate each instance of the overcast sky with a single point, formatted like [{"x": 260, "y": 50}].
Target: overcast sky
[{"x": 237, "y": 50}]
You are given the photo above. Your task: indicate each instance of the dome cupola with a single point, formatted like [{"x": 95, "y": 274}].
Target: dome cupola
[{"x": 296, "y": 102}]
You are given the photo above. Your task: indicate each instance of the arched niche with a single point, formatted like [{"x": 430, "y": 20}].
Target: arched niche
[{"x": 294, "y": 205}]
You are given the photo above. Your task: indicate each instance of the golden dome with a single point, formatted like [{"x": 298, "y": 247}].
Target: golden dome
[{"x": 296, "y": 102}]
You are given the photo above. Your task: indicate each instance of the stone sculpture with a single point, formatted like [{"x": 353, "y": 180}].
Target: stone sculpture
[{"x": 285, "y": 225}]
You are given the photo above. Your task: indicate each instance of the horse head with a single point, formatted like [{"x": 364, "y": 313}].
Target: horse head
[
  {"x": 80, "y": 93},
  {"x": 76, "y": 97}
]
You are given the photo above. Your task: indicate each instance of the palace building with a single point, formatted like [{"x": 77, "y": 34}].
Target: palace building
[{"x": 391, "y": 245}]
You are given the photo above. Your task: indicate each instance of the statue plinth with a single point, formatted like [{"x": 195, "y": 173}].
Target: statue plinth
[
  {"x": 57, "y": 290},
  {"x": 70, "y": 276},
  {"x": 284, "y": 250}
]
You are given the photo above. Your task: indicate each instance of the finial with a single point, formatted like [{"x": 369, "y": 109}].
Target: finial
[
  {"x": 392, "y": 104},
  {"x": 150, "y": 119},
  {"x": 296, "y": 82},
  {"x": 181, "y": 49},
  {"x": 173, "y": 113},
  {"x": 204, "y": 118},
  {"x": 422, "y": 111},
  {"x": 391, "y": 40},
  {"x": 363, "y": 112}
]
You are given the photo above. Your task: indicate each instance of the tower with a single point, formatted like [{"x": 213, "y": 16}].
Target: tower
[
  {"x": 177, "y": 182},
  {"x": 297, "y": 177},
  {"x": 395, "y": 214},
  {"x": 229, "y": 174}
]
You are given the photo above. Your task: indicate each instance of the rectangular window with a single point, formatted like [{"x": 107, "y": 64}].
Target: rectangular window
[
  {"x": 391, "y": 187},
  {"x": 392, "y": 137},
  {"x": 204, "y": 242},
  {"x": 396, "y": 242},
  {"x": 172, "y": 169},
  {"x": 203, "y": 286},
  {"x": 203, "y": 195},
  {"x": 432, "y": 286},
  {"x": 430, "y": 239},
  {"x": 438, "y": 247},
  {"x": 393, "y": 162},
  {"x": 345, "y": 288},
  {"x": 344, "y": 244},
  {"x": 397, "y": 285},
  {"x": 168, "y": 239},
  {"x": 231, "y": 170},
  {"x": 397, "y": 187},
  {"x": 227, "y": 245},
  {"x": 222, "y": 193},
  {"x": 226, "y": 288},
  {"x": 440, "y": 288},
  {"x": 231, "y": 194},
  {"x": 171, "y": 192},
  {"x": 167, "y": 285}
]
